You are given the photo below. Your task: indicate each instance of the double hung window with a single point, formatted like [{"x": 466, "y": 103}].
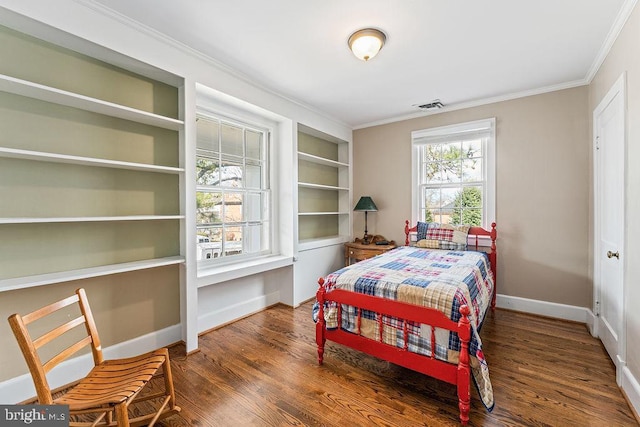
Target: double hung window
[
  {"x": 454, "y": 174},
  {"x": 232, "y": 190}
]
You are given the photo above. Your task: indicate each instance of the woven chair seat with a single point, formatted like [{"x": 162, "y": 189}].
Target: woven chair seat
[{"x": 113, "y": 381}]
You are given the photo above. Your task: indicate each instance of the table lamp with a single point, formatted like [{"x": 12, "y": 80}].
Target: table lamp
[{"x": 365, "y": 204}]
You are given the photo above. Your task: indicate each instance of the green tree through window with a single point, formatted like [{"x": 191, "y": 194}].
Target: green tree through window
[{"x": 468, "y": 207}]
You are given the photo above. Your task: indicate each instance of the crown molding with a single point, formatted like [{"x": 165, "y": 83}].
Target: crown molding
[
  {"x": 614, "y": 32},
  {"x": 476, "y": 103},
  {"x": 165, "y": 39}
]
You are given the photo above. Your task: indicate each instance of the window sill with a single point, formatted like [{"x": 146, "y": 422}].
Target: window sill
[{"x": 210, "y": 275}]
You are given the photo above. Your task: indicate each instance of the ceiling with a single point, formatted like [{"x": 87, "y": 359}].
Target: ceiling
[{"x": 461, "y": 52}]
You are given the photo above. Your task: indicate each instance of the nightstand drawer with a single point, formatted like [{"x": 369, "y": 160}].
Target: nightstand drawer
[{"x": 360, "y": 254}]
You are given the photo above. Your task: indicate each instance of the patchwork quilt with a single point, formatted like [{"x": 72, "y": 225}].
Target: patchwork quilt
[{"x": 440, "y": 279}]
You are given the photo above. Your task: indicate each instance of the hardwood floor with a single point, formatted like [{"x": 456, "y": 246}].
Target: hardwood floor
[{"x": 263, "y": 371}]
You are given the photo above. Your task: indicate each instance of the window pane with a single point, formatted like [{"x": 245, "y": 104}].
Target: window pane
[
  {"x": 253, "y": 238},
  {"x": 472, "y": 197},
  {"x": 432, "y": 198},
  {"x": 470, "y": 210},
  {"x": 432, "y": 166},
  {"x": 207, "y": 134},
  {"x": 254, "y": 175},
  {"x": 254, "y": 206},
  {"x": 449, "y": 198},
  {"x": 254, "y": 144},
  {"x": 233, "y": 241},
  {"x": 208, "y": 207},
  {"x": 433, "y": 153},
  {"x": 472, "y": 170},
  {"x": 207, "y": 171},
  {"x": 446, "y": 216},
  {"x": 451, "y": 171},
  {"x": 472, "y": 148},
  {"x": 209, "y": 243},
  {"x": 231, "y": 141},
  {"x": 233, "y": 207},
  {"x": 472, "y": 217},
  {"x": 231, "y": 173},
  {"x": 451, "y": 162},
  {"x": 432, "y": 215},
  {"x": 433, "y": 173}
]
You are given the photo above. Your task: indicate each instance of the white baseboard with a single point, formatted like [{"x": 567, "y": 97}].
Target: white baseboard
[
  {"x": 214, "y": 319},
  {"x": 21, "y": 388},
  {"x": 631, "y": 388},
  {"x": 544, "y": 308},
  {"x": 591, "y": 323}
]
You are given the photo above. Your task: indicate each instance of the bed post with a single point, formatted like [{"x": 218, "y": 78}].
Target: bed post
[
  {"x": 406, "y": 232},
  {"x": 464, "y": 372},
  {"x": 493, "y": 259},
  {"x": 320, "y": 324}
]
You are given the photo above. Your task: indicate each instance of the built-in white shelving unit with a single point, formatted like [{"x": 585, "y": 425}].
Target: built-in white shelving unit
[
  {"x": 323, "y": 208},
  {"x": 324, "y": 189},
  {"x": 35, "y": 230}
]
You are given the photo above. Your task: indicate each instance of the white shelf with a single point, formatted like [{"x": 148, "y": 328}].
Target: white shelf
[
  {"x": 85, "y": 273},
  {"x": 88, "y": 219},
  {"x": 320, "y": 160},
  {"x": 87, "y": 161},
  {"x": 321, "y": 187},
  {"x": 70, "y": 99},
  {"x": 321, "y": 213}
]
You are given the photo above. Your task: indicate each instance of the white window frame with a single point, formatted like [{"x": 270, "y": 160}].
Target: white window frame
[
  {"x": 249, "y": 123},
  {"x": 442, "y": 134}
]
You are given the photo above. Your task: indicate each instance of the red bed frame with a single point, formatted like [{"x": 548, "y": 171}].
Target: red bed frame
[{"x": 459, "y": 375}]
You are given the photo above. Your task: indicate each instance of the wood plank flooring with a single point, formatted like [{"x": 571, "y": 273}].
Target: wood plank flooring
[{"x": 263, "y": 371}]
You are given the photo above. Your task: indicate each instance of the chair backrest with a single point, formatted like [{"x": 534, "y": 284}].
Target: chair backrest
[{"x": 30, "y": 347}]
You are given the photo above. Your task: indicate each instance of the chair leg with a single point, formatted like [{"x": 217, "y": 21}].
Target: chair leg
[
  {"x": 122, "y": 415},
  {"x": 168, "y": 379}
]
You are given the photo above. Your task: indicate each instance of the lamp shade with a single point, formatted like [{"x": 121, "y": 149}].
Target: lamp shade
[
  {"x": 365, "y": 204},
  {"x": 366, "y": 43}
]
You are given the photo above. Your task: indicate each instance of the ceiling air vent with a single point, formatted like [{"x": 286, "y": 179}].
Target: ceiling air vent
[{"x": 433, "y": 105}]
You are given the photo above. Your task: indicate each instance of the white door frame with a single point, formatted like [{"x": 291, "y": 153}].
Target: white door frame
[{"x": 617, "y": 89}]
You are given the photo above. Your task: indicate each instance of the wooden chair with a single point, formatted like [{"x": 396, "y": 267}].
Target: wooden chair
[{"x": 110, "y": 387}]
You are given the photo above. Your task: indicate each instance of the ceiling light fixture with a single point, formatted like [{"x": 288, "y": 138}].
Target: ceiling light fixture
[{"x": 366, "y": 43}]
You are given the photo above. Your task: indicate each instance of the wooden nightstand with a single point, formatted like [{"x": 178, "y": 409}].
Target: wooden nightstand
[{"x": 357, "y": 251}]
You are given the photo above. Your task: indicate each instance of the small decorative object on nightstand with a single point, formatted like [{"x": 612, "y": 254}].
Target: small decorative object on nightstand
[
  {"x": 359, "y": 251},
  {"x": 366, "y": 205}
]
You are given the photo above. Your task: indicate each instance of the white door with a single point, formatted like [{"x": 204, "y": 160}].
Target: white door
[{"x": 609, "y": 173}]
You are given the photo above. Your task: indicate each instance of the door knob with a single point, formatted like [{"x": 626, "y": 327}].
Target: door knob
[{"x": 613, "y": 254}]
